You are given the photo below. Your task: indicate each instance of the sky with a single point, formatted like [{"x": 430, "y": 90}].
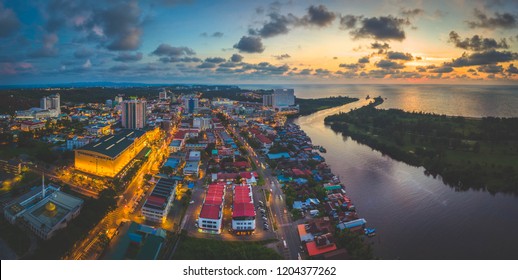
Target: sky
[{"x": 259, "y": 42}]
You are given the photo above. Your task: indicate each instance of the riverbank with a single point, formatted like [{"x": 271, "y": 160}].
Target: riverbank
[
  {"x": 312, "y": 105},
  {"x": 465, "y": 152}
]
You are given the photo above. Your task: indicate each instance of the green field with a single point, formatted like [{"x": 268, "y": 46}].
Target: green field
[
  {"x": 191, "y": 248},
  {"x": 465, "y": 152}
]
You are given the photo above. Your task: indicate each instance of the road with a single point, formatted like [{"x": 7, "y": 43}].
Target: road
[
  {"x": 87, "y": 248},
  {"x": 286, "y": 229}
]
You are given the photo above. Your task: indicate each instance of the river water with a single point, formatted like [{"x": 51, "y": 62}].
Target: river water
[{"x": 417, "y": 216}]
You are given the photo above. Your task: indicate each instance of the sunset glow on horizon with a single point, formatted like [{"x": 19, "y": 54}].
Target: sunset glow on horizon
[{"x": 182, "y": 41}]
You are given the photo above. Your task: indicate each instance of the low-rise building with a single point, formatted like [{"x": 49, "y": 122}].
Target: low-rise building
[
  {"x": 159, "y": 203},
  {"x": 32, "y": 125},
  {"x": 11, "y": 166},
  {"x": 44, "y": 211},
  {"x": 136, "y": 242},
  {"x": 211, "y": 213},
  {"x": 243, "y": 210}
]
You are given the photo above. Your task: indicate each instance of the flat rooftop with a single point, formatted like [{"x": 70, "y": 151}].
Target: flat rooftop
[
  {"x": 210, "y": 212},
  {"x": 113, "y": 145}
]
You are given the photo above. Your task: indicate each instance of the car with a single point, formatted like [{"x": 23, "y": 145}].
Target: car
[
  {"x": 266, "y": 228},
  {"x": 192, "y": 201},
  {"x": 262, "y": 211},
  {"x": 264, "y": 218}
]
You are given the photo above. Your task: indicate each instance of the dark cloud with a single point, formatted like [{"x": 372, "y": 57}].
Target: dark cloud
[
  {"x": 9, "y": 22},
  {"x": 266, "y": 68},
  {"x": 122, "y": 26},
  {"x": 399, "y": 56},
  {"x": 476, "y": 43},
  {"x": 380, "y": 47},
  {"x": 216, "y": 60},
  {"x": 512, "y": 69},
  {"x": 282, "y": 56},
  {"x": 380, "y": 28},
  {"x": 305, "y": 71},
  {"x": 481, "y": 58},
  {"x": 228, "y": 65},
  {"x": 173, "y": 59},
  {"x": 411, "y": 12},
  {"x": 259, "y": 10},
  {"x": 277, "y": 25},
  {"x": 48, "y": 47},
  {"x": 128, "y": 57},
  {"x": 207, "y": 65},
  {"x": 168, "y": 50},
  {"x": 348, "y": 21},
  {"x": 491, "y": 68},
  {"x": 318, "y": 16},
  {"x": 120, "y": 68},
  {"x": 442, "y": 69},
  {"x": 351, "y": 66},
  {"x": 505, "y": 20},
  {"x": 250, "y": 44},
  {"x": 388, "y": 64},
  {"x": 364, "y": 59},
  {"x": 83, "y": 53},
  {"x": 236, "y": 58},
  {"x": 173, "y": 2}
]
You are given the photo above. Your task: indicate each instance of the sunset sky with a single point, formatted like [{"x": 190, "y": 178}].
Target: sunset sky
[{"x": 175, "y": 41}]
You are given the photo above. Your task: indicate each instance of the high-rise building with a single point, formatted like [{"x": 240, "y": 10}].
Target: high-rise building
[
  {"x": 191, "y": 104},
  {"x": 43, "y": 103},
  {"x": 162, "y": 94},
  {"x": 268, "y": 100},
  {"x": 283, "y": 97},
  {"x": 118, "y": 100},
  {"x": 134, "y": 114}
]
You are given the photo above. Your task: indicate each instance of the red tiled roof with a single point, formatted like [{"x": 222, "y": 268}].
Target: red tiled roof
[
  {"x": 243, "y": 210},
  {"x": 313, "y": 250},
  {"x": 210, "y": 212},
  {"x": 155, "y": 200},
  {"x": 263, "y": 139}
]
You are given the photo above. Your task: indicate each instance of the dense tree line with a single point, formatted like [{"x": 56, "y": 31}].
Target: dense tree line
[{"x": 465, "y": 152}]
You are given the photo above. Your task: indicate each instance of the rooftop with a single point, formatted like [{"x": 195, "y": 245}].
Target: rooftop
[
  {"x": 210, "y": 212},
  {"x": 113, "y": 145}
]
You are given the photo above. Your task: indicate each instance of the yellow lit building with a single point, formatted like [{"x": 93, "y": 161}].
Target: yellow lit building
[{"x": 110, "y": 154}]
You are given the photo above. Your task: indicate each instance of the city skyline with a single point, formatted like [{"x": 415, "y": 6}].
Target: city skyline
[{"x": 272, "y": 42}]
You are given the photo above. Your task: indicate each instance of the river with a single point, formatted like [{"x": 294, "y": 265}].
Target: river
[{"x": 417, "y": 216}]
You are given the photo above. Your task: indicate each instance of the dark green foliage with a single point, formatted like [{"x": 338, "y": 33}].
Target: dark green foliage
[{"x": 465, "y": 152}]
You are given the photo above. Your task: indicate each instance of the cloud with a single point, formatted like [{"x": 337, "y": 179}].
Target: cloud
[
  {"x": 236, "y": 58},
  {"x": 170, "y": 54},
  {"x": 318, "y": 16},
  {"x": 476, "y": 43},
  {"x": 442, "y": 69},
  {"x": 481, "y": 58},
  {"x": 282, "y": 56},
  {"x": 306, "y": 71},
  {"x": 168, "y": 50},
  {"x": 47, "y": 50},
  {"x": 216, "y": 60},
  {"x": 399, "y": 56},
  {"x": 277, "y": 25},
  {"x": 379, "y": 28},
  {"x": 348, "y": 21},
  {"x": 388, "y": 64},
  {"x": 364, "y": 59},
  {"x": 128, "y": 57},
  {"x": 266, "y": 68},
  {"x": 505, "y": 20},
  {"x": 87, "y": 64},
  {"x": 512, "y": 69},
  {"x": 10, "y": 68},
  {"x": 207, "y": 65},
  {"x": 491, "y": 68},
  {"x": 250, "y": 44},
  {"x": 380, "y": 47},
  {"x": 122, "y": 26},
  {"x": 351, "y": 66},
  {"x": 216, "y": 34},
  {"x": 411, "y": 12},
  {"x": 9, "y": 22},
  {"x": 83, "y": 53}
]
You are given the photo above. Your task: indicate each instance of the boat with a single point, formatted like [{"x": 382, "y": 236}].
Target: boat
[
  {"x": 368, "y": 97},
  {"x": 322, "y": 149},
  {"x": 370, "y": 232}
]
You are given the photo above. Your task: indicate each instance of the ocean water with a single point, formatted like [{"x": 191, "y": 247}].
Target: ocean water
[{"x": 458, "y": 100}]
